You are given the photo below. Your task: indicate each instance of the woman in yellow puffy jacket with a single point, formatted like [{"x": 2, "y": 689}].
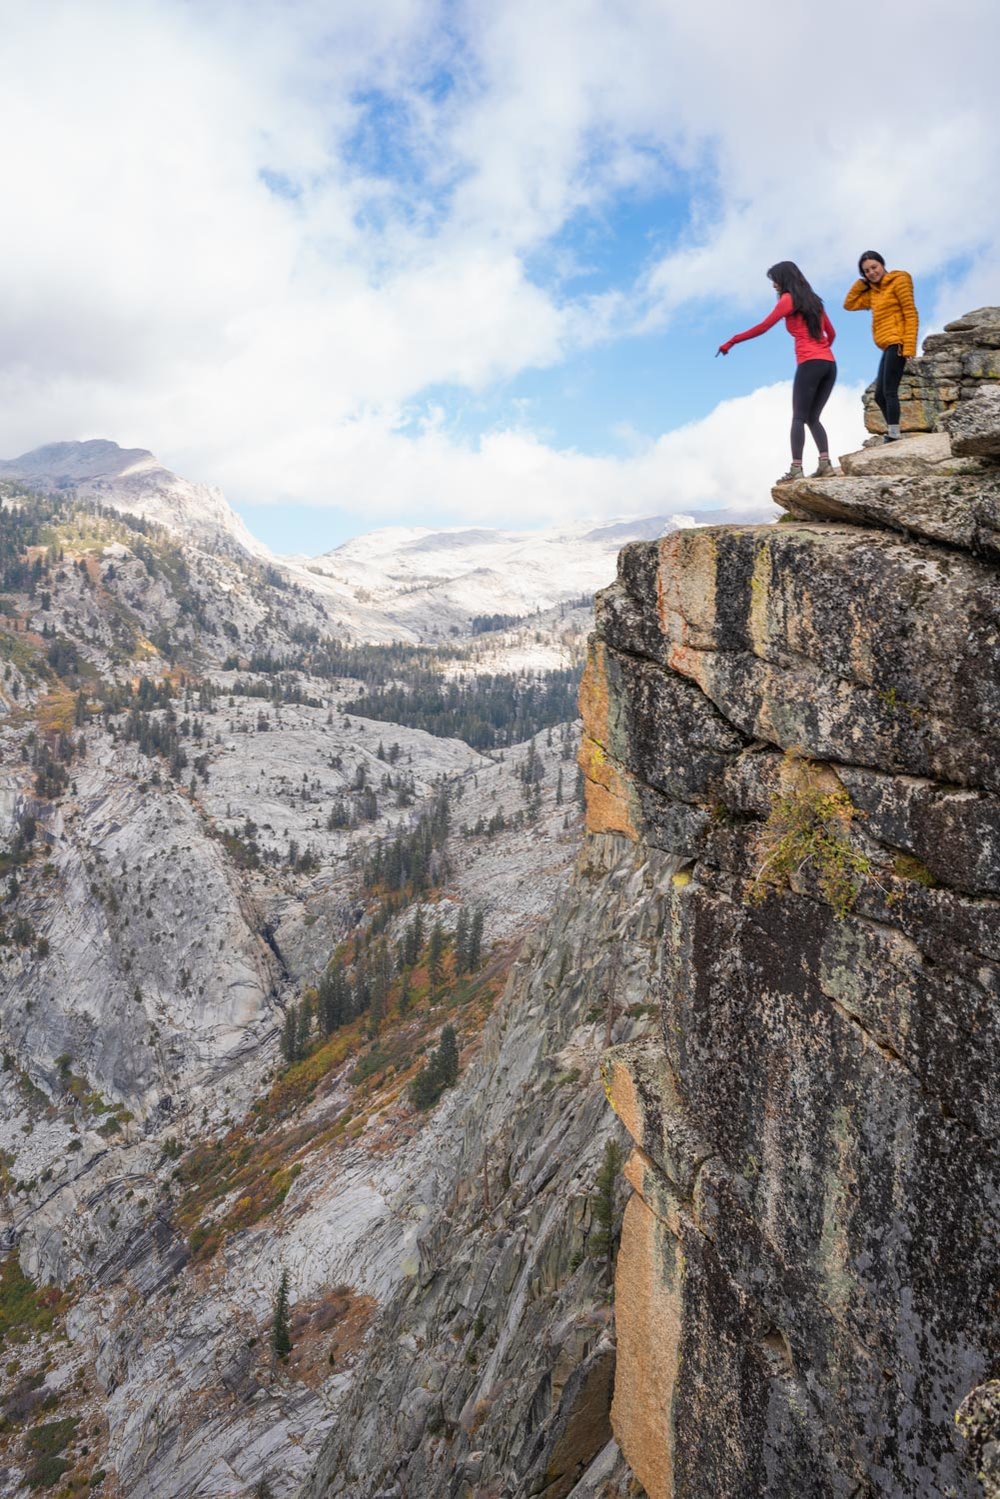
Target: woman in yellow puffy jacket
[{"x": 889, "y": 294}]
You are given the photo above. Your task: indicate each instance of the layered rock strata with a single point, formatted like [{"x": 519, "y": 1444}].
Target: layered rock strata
[
  {"x": 955, "y": 365},
  {"x": 804, "y": 719}
]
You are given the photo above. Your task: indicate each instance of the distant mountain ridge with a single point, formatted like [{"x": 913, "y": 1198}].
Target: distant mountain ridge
[
  {"x": 430, "y": 582},
  {"x": 133, "y": 479},
  {"x": 412, "y": 583}
]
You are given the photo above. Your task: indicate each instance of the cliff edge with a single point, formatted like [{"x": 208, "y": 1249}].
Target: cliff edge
[{"x": 803, "y": 718}]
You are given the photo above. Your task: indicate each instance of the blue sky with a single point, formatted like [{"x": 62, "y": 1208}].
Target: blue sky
[{"x": 430, "y": 262}]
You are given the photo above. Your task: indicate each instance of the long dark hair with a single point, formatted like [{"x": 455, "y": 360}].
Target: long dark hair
[{"x": 788, "y": 278}]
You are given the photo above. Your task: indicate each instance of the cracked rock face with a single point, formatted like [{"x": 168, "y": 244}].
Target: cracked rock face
[
  {"x": 974, "y": 427},
  {"x": 804, "y": 717}
]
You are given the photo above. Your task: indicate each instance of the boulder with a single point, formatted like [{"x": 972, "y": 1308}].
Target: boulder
[
  {"x": 974, "y": 426},
  {"x": 920, "y": 453}
]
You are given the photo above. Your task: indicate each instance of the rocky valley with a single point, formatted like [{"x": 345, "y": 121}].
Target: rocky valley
[
  {"x": 314, "y": 992},
  {"x": 196, "y": 809}
]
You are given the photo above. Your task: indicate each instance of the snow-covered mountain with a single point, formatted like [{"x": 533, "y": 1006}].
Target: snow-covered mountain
[
  {"x": 133, "y": 479},
  {"x": 409, "y": 583},
  {"x": 432, "y": 581}
]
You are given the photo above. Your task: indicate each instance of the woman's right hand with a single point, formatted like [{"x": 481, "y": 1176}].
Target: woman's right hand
[{"x": 722, "y": 349}]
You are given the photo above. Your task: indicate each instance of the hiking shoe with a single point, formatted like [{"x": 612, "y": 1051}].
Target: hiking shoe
[
  {"x": 887, "y": 438},
  {"x": 795, "y": 472},
  {"x": 824, "y": 470}
]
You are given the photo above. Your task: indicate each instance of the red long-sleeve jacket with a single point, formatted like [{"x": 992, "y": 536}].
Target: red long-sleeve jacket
[{"x": 806, "y": 347}]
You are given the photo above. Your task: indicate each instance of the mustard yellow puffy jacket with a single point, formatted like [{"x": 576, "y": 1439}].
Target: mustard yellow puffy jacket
[{"x": 894, "y": 312}]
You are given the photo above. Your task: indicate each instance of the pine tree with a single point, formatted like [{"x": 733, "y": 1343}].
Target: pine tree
[
  {"x": 302, "y": 1029},
  {"x": 462, "y": 942},
  {"x": 435, "y": 956},
  {"x": 447, "y": 1057},
  {"x": 605, "y": 1237},
  {"x": 439, "y": 1072},
  {"x": 559, "y": 785},
  {"x": 290, "y": 1035},
  {"x": 405, "y": 995},
  {"x": 476, "y": 941},
  {"x": 362, "y": 988},
  {"x": 334, "y": 1000},
  {"x": 281, "y": 1338},
  {"x": 415, "y": 937},
  {"x": 424, "y": 1089},
  {"x": 381, "y": 972}
]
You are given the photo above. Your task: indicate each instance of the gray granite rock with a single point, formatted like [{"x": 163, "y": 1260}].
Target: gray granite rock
[
  {"x": 961, "y": 510},
  {"x": 974, "y": 426}
]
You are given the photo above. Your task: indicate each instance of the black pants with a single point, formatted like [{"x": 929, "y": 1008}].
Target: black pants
[
  {"x": 814, "y": 380},
  {"x": 890, "y": 372}
]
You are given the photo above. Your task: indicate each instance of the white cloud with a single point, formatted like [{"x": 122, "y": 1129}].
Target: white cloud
[
  {"x": 371, "y": 470},
  {"x": 251, "y": 236},
  {"x": 834, "y": 133}
]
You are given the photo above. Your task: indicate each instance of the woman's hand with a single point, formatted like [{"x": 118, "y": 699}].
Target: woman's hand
[{"x": 722, "y": 349}]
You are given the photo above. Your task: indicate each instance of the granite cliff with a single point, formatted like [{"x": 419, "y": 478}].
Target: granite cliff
[{"x": 802, "y": 718}]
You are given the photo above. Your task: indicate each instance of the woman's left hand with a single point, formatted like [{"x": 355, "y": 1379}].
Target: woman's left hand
[{"x": 722, "y": 349}]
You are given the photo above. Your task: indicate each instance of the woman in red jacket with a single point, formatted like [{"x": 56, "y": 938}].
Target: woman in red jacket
[{"x": 816, "y": 368}]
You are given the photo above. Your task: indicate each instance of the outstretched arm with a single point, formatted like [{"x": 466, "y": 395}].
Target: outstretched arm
[
  {"x": 859, "y": 298},
  {"x": 782, "y": 308}
]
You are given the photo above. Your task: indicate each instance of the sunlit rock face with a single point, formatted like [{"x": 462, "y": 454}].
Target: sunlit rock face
[{"x": 803, "y": 718}]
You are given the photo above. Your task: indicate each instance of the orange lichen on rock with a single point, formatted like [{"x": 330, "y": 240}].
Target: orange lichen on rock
[
  {"x": 686, "y": 586},
  {"x": 608, "y": 793},
  {"x": 619, "y": 1085},
  {"x": 607, "y": 788},
  {"x": 594, "y": 706},
  {"x": 648, "y": 1308}
]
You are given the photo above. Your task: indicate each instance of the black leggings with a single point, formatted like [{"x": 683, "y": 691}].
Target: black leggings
[
  {"x": 814, "y": 380},
  {"x": 890, "y": 372}
]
